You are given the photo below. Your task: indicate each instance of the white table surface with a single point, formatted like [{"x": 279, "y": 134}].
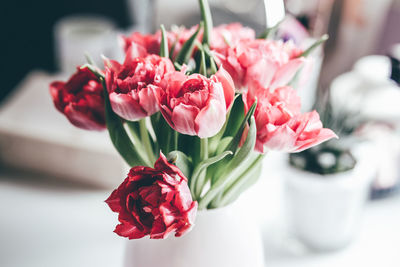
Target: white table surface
[{"x": 45, "y": 223}]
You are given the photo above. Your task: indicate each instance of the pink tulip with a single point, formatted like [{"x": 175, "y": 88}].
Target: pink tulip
[
  {"x": 229, "y": 35},
  {"x": 261, "y": 63},
  {"x": 132, "y": 86},
  {"x": 195, "y": 104},
  {"x": 150, "y": 43},
  {"x": 280, "y": 125},
  {"x": 222, "y": 37}
]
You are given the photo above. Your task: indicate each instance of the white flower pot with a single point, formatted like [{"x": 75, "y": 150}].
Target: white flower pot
[
  {"x": 220, "y": 238},
  {"x": 324, "y": 211}
]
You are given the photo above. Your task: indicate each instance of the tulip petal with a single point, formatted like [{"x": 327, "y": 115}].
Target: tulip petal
[
  {"x": 183, "y": 118},
  {"x": 227, "y": 84},
  {"x": 283, "y": 138},
  {"x": 83, "y": 120},
  {"x": 113, "y": 201},
  {"x": 126, "y": 107},
  {"x": 147, "y": 99},
  {"x": 286, "y": 73},
  {"x": 210, "y": 119},
  {"x": 55, "y": 92},
  {"x": 190, "y": 215},
  {"x": 134, "y": 51},
  {"x": 261, "y": 73},
  {"x": 130, "y": 231},
  {"x": 112, "y": 65},
  {"x": 321, "y": 136}
]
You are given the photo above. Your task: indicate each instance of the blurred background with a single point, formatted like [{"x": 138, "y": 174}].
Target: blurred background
[{"x": 337, "y": 204}]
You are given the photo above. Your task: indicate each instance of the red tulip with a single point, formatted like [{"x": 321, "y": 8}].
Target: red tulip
[
  {"x": 153, "y": 202},
  {"x": 81, "y": 100}
]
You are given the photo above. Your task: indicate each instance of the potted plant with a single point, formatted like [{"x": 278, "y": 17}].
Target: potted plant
[{"x": 327, "y": 186}]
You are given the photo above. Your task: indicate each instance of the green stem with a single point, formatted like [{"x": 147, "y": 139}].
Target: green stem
[
  {"x": 175, "y": 136},
  {"x": 200, "y": 180},
  {"x": 320, "y": 41},
  {"x": 206, "y": 17},
  {"x": 203, "y": 67},
  {"x": 144, "y": 134},
  {"x": 203, "y": 149}
]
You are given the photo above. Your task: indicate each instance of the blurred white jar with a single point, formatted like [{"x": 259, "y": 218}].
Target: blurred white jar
[
  {"x": 77, "y": 35},
  {"x": 324, "y": 211},
  {"x": 368, "y": 91}
]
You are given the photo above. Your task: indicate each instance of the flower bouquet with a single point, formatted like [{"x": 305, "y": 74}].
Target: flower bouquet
[{"x": 192, "y": 112}]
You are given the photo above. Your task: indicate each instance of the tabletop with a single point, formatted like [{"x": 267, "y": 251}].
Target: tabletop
[{"x": 46, "y": 222}]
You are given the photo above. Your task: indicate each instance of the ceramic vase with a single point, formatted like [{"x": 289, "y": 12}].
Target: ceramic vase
[{"x": 220, "y": 238}]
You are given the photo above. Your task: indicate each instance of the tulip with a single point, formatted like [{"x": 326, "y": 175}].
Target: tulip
[
  {"x": 280, "y": 124},
  {"x": 81, "y": 100},
  {"x": 153, "y": 201},
  {"x": 261, "y": 63},
  {"x": 195, "y": 104},
  {"x": 132, "y": 86}
]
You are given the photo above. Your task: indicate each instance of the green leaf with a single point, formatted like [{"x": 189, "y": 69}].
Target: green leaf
[
  {"x": 146, "y": 141},
  {"x": 97, "y": 72},
  {"x": 269, "y": 33},
  {"x": 247, "y": 147},
  {"x": 154, "y": 119},
  {"x": 177, "y": 66},
  {"x": 207, "y": 19},
  {"x": 236, "y": 116},
  {"x": 223, "y": 144},
  {"x": 134, "y": 128},
  {"x": 89, "y": 59},
  {"x": 119, "y": 137},
  {"x": 321, "y": 40},
  {"x": 187, "y": 48},
  {"x": 164, "y": 43},
  {"x": 229, "y": 175},
  {"x": 163, "y": 132},
  {"x": 172, "y": 50},
  {"x": 245, "y": 180},
  {"x": 218, "y": 170},
  {"x": 196, "y": 185},
  {"x": 235, "y": 141},
  {"x": 241, "y": 159},
  {"x": 182, "y": 161},
  {"x": 190, "y": 145}
]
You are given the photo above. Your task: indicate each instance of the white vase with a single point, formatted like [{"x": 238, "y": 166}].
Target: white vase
[
  {"x": 220, "y": 238},
  {"x": 324, "y": 211}
]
